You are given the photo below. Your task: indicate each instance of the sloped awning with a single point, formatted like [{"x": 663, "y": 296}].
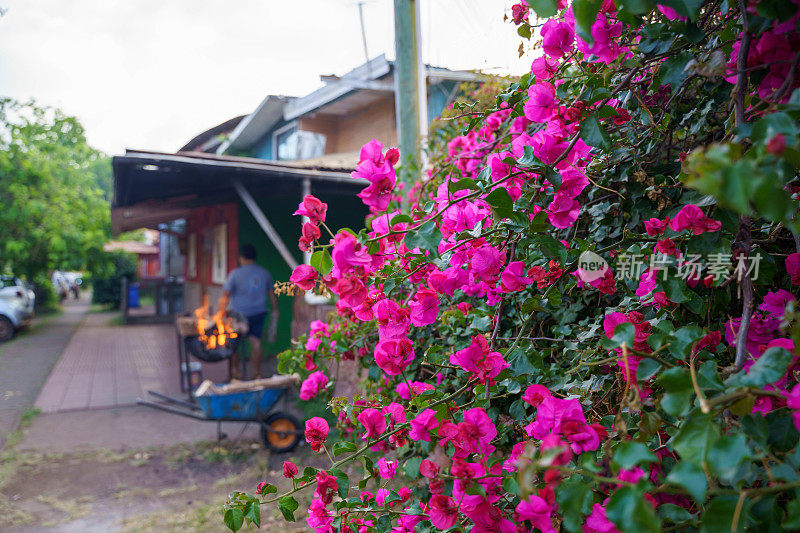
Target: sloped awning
[{"x": 152, "y": 188}]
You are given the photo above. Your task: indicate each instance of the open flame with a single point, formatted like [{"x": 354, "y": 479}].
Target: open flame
[{"x": 213, "y": 331}]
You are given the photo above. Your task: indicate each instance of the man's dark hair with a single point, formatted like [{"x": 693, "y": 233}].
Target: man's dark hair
[{"x": 248, "y": 251}]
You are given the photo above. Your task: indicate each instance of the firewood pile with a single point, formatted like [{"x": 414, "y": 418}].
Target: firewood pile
[{"x": 208, "y": 388}]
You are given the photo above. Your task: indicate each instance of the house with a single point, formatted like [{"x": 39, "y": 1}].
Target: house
[
  {"x": 148, "y": 260},
  {"x": 240, "y": 181}
]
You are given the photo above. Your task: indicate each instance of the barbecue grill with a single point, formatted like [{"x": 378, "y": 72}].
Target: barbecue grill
[{"x": 218, "y": 353}]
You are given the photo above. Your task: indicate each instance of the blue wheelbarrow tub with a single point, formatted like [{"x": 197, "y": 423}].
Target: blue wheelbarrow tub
[{"x": 247, "y": 405}]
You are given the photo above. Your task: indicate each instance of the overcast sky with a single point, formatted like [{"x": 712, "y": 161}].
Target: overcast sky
[{"x": 152, "y": 74}]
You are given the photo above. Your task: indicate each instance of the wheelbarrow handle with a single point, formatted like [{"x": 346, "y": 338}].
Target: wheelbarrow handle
[
  {"x": 173, "y": 410},
  {"x": 176, "y": 401}
]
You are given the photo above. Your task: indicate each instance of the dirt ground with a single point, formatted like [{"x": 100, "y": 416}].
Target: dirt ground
[{"x": 177, "y": 488}]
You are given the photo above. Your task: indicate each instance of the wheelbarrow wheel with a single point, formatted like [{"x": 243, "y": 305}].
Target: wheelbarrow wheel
[{"x": 280, "y": 432}]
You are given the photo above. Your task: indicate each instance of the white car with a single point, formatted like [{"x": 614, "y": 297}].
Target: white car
[{"x": 16, "y": 306}]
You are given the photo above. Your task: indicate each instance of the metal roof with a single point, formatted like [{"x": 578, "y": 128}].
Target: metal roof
[{"x": 151, "y": 188}]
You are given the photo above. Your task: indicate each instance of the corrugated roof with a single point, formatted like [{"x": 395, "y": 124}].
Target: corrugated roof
[{"x": 134, "y": 247}]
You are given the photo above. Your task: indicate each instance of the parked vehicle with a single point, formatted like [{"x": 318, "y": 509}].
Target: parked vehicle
[{"x": 16, "y": 306}]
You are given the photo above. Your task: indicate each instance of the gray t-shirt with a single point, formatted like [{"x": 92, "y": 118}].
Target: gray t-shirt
[{"x": 249, "y": 285}]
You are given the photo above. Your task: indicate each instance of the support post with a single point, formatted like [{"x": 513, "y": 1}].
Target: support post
[
  {"x": 265, "y": 224},
  {"x": 411, "y": 87}
]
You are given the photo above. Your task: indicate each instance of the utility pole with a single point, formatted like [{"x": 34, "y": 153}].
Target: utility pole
[{"x": 411, "y": 102}]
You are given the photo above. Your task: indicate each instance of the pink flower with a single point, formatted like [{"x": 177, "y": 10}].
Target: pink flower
[
  {"x": 304, "y": 276},
  {"x": 670, "y": 13},
  {"x": 513, "y": 277},
  {"x": 544, "y": 68},
  {"x": 417, "y": 387},
  {"x": 316, "y": 432},
  {"x": 775, "y": 302},
  {"x": 373, "y": 421},
  {"x": 387, "y": 469},
  {"x": 541, "y": 103},
  {"x": 394, "y": 355},
  {"x": 443, "y": 511},
  {"x": 563, "y": 211},
  {"x": 396, "y": 412},
  {"x": 792, "y": 263},
  {"x": 597, "y": 522},
  {"x": 428, "y": 469},
  {"x": 793, "y": 402},
  {"x": 557, "y": 38},
  {"x": 478, "y": 360},
  {"x": 312, "y": 385},
  {"x": 313, "y": 208},
  {"x": 424, "y": 308},
  {"x": 326, "y": 486},
  {"x": 631, "y": 476},
  {"x": 537, "y": 511},
  {"x": 393, "y": 321},
  {"x": 380, "y": 496},
  {"x": 476, "y": 431},
  {"x": 655, "y": 226},
  {"x": 535, "y": 394},
  {"x": 448, "y": 281},
  {"x": 422, "y": 424},
  {"x": 318, "y": 515},
  {"x": 486, "y": 263},
  {"x": 647, "y": 283},
  {"x": 289, "y": 469},
  {"x": 564, "y": 417},
  {"x": 348, "y": 254},
  {"x": 691, "y": 217}
]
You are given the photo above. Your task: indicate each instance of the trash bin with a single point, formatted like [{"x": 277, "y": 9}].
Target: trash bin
[{"x": 133, "y": 295}]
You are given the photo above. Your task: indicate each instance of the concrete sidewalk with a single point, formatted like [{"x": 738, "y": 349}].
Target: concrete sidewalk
[{"x": 26, "y": 361}]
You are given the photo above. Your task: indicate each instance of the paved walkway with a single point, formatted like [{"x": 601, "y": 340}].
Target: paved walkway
[
  {"x": 26, "y": 361},
  {"x": 107, "y": 365}
]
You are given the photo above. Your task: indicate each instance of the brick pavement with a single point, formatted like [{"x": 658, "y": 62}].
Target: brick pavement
[
  {"x": 26, "y": 361},
  {"x": 106, "y": 366}
]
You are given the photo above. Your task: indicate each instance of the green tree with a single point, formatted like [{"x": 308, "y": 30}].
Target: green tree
[{"x": 54, "y": 189}]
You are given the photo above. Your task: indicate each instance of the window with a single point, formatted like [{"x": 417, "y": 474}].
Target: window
[
  {"x": 219, "y": 254},
  {"x": 191, "y": 256},
  {"x": 292, "y": 144}
]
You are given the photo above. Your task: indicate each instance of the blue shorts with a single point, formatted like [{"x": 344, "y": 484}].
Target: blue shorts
[{"x": 255, "y": 324}]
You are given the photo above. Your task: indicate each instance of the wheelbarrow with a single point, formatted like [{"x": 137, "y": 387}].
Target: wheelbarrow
[{"x": 280, "y": 431}]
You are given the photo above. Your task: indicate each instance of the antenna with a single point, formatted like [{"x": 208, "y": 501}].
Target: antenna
[{"x": 364, "y": 37}]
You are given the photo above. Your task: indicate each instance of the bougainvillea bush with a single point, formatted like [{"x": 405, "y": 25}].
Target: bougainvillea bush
[{"x": 583, "y": 316}]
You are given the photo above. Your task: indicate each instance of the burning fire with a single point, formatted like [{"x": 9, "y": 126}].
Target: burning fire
[{"x": 214, "y": 331}]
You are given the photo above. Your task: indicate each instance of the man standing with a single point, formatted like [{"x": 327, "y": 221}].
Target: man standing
[{"x": 247, "y": 289}]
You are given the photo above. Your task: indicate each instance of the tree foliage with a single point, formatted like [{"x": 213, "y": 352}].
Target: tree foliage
[{"x": 54, "y": 189}]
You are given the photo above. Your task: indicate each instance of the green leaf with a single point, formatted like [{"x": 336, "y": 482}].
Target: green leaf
[
  {"x": 673, "y": 70},
  {"x": 693, "y": 440},
  {"x": 637, "y": 7},
  {"x": 543, "y": 8},
  {"x": 647, "y": 369},
  {"x": 684, "y": 338},
  {"x": 719, "y": 514},
  {"x": 342, "y": 447},
  {"x": 782, "y": 436},
  {"x": 574, "y": 499},
  {"x": 630, "y": 512},
  {"x": 792, "y": 522},
  {"x": 342, "y": 480},
  {"x": 322, "y": 262},
  {"x": 585, "y": 15},
  {"x": 631, "y": 453},
  {"x": 400, "y": 218},
  {"x": 501, "y": 203},
  {"x": 528, "y": 159},
  {"x": 269, "y": 489},
  {"x": 426, "y": 237},
  {"x": 463, "y": 183},
  {"x": 593, "y": 133},
  {"x": 234, "y": 518},
  {"x": 624, "y": 333},
  {"x": 287, "y": 506},
  {"x": 767, "y": 369},
  {"x": 411, "y": 467},
  {"x": 686, "y": 8},
  {"x": 252, "y": 511},
  {"x": 691, "y": 478},
  {"x": 672, "y": 513},
  {"x": 726, "y": 455}
]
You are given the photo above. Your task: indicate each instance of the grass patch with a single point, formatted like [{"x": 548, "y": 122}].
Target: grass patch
[{"x": 27, "y": 416}]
